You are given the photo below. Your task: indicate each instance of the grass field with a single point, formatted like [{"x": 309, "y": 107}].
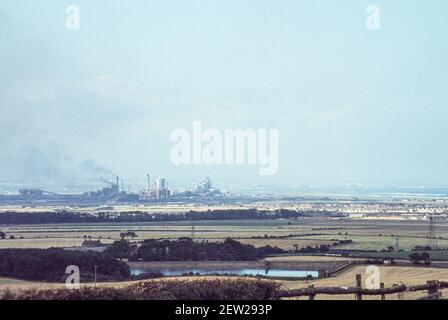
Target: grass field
[
  {"x": 366, "y": 235},
  {"x": 369, "y": 242},
  {"x": 5, "y": 282},
  {"x": 388, "y": 274},
  {"x": 304, "y": 258},
  {"x": 286, "y": 234}
]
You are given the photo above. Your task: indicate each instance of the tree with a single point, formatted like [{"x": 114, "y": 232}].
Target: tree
[
  {"x": 420, "y": 258},
  {"x": 119, "y": 249},
  {"x": 425, "y": 258},
  {"x": 130, "y": 234},
  {"x": 50, "y": 264}
]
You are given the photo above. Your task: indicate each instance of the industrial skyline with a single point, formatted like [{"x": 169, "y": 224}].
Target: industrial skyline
[
  {"x": 353, "y": 105},
  {"x": 114, "y": 193}
]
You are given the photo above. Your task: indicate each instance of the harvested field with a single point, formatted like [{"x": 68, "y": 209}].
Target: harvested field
[
  {"x": 388, "y": 274},
  {"x": 365, "y": 235}
]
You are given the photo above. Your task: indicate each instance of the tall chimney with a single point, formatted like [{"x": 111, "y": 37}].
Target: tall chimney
[
  {"x": 118, "y": 184},
  {"x": 149, "y": 185}
]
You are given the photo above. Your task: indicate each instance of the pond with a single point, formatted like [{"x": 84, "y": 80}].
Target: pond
[{"x": 239, "y": 272}]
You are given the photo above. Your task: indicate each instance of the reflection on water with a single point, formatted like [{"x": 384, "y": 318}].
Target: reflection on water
[{"x": 240, "y": 272}]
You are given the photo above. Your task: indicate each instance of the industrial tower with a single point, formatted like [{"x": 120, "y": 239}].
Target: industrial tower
[{"x": 432, "y": 238}]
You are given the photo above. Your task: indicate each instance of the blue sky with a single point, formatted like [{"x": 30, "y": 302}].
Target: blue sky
[{"x": 352, "y": 105}]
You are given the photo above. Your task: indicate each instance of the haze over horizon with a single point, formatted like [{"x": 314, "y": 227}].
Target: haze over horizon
[{"x": 351, "y": 105}]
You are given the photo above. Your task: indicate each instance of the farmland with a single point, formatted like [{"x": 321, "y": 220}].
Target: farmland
[
  {"x": 349, "y": 241},
  {"x": 389, "y": 275},
  {"x": 286, "y": 234}
]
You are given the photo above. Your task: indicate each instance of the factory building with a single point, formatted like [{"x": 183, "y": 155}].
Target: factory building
[
  {"x": 31, "y": 193},
  {"x": 205, "y": 188},
  {"x": 160, "y": 190},
  {"x": 112, "y": 192},
  {"x": 160, "y": 184}
]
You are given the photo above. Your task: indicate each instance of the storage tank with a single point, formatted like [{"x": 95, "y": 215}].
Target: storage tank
[{"x": 160, "y": 184}]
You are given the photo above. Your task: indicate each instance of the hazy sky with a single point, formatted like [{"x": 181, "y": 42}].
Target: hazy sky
[{"x": 351, "y": 104}]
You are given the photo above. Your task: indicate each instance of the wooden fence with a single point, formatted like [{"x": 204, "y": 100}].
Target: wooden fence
[{"x": 432, "y": 287}]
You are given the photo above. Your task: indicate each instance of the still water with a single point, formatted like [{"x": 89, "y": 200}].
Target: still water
[{"x": 239, "y": 272}]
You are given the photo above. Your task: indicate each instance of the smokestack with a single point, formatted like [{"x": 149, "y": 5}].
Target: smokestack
[
  {"x": 122, "y": 185},
  {"x": 149, "y": 185},
  {"x": 118, "y": 184}
]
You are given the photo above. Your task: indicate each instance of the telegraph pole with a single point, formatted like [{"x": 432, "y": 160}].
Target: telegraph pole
[
  {"x": 95, "y": 273},
  {"x": 432, "y": 238}
]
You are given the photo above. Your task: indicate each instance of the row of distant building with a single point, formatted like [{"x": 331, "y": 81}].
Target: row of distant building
[
  {"x": 115, "y": 191},
  {"x": 159, "y": 190}
]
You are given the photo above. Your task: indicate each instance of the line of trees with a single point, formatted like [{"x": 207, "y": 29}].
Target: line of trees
[
  {"x": 50, "y": 264},
  {"x": 139, "y": 216},
  {"x": 185, "y": 249},
  {"x": 323, "y": 247}
]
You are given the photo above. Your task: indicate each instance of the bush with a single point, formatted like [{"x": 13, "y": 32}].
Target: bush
[
  {"x": 420, "y": 258},
  {"x": 120, "y": 249},
  {"x": 218, "y": 289}
]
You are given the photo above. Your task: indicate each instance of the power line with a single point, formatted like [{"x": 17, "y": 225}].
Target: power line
[{"x": 432, "y": 238}]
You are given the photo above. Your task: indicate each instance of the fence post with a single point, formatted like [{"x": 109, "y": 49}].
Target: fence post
[
  {"x": 312, "y": 296},
  {"x": 400, "y": 295},
  {"x": 383, "y": 296},
  {"x": 433, "y": 289},
  {"x": 359, "y": 285}
]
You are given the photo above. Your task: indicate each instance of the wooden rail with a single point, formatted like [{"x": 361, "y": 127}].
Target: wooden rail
[{"x": 432, "y": 287}]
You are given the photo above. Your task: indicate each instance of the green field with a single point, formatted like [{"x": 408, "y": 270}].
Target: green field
[
  {"x": 366, "y": 235},
  {"x": 286, "y": 234},
  {"x": 370, "y": 242}
]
